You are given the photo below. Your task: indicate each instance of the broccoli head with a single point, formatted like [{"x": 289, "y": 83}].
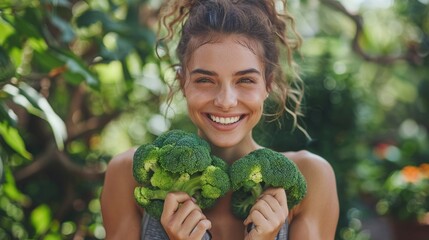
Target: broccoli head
[
  {"x": 184, "y": 158},
  {"x": 218, "y": 162},
  {"x": 259, "y": 170},
  {"x": 178, "y": 161},
  {"x": 145, "y": 162}
]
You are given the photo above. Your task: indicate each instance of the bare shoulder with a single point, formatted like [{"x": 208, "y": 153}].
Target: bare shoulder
[
  {"x": 319, "y": 208},
  {"x": 121, "y": 214},
  {"x": 311, "y": 164},
  {"x": 122, "y": 161},
  {"x": 319, "y": 174},
  {"x": 119, "y": 175}
]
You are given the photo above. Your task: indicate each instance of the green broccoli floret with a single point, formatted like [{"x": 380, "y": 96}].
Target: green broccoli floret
[
  {"x": 178, "y": 161},
  {"x": 205, "y": 187},
  {"x": 218, "y": 162},
  {"x": 176, "y": 136},
  {"x": 170, "y": 137},
  {"x": 259, "y": 170},
  {"x": 184, "y": 158},
  {"x": 145, "y": 162},
  {"x": 150, "y": 200}
]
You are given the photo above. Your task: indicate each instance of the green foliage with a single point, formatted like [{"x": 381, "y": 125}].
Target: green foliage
[{"x": 55, "y": 100}]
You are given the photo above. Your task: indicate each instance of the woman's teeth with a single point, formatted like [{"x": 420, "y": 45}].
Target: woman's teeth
[{"x": 222, "y": 120}]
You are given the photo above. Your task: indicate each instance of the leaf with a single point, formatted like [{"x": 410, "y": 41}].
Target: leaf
[
  {"x": 7, "y": 69},
  {"x": 6, "y": 29},
  {"x": 28, "y": 24},
  {"x": 57, "y": 124},
  {"x": 66, "y": 29},
  {"x": 75, "y": 65},
  {"x": 12, "y": 138},
  {"x": 90, "y": 17},
  {"x": 58, "y": 3},
  {"x": 21, "y": 100},
  {"x": 1, "y": 171},
  {"x": 46, "y": 61},
  {"x": 53, "y": 236},
  {"x": 10, "y": 189},
  {"x": 41, "y": 218},
  {"x": 76, "y": 68},
  {"x": 35, "y": 104}
]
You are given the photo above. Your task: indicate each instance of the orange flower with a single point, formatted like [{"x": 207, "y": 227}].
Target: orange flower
[
  {"x": 411, "y": 174},
  {"x": 424, "y": 169}
]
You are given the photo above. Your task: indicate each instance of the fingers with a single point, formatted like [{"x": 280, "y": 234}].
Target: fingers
[
  {"x": 267, "y": 209},
  {"x": 182, "y": 218},
  {"x": 269, "y": 213},
  {"x": 200, "y": 229},
  {"x": 279, "y": 194},
  {"x": 172, "y": 202}
]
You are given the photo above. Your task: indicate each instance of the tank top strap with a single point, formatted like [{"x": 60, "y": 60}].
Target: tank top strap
[{"x": 283, "y": 233}]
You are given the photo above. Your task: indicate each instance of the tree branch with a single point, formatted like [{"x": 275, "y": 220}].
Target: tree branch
[
  {"x": 85, "y": 172},
  {"x": 412, "y": 55},
  {"x": 37, "y": 165},
  {"x": 91, "y": 125}
]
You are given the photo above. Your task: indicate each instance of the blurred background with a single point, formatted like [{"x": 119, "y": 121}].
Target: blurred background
[{"x": 80, "y": 82}]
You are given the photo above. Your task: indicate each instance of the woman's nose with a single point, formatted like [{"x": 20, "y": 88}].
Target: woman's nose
[{"x": 226, "y": 98}]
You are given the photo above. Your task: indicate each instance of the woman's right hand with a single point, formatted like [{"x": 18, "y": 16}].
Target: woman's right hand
[{"x": 182, "y": 218}]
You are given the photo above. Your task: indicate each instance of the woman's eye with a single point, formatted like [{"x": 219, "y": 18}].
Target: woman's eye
[
  {"x": 246, "y": 80},
  {"x": 203, "y": 80}
]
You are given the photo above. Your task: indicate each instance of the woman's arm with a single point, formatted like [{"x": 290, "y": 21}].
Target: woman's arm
[
  {"x": 121, "y": 215},
  {"x": 316, "y": 217}
]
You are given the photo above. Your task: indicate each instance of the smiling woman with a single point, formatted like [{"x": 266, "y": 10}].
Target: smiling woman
[
  {"x": 229, "y": 63},
  {"x": 225, "y": 90}
]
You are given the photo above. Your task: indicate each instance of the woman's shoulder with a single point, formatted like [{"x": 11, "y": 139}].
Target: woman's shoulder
[
  {"x": 317, "y": 171},
  {"x": 121, "y": 165},
  {"x": 121, "y": 214},
  {"x": 321, "y": 183},
  {"x": 309, "y": 162},
  {"x": 123, "y": 158}
]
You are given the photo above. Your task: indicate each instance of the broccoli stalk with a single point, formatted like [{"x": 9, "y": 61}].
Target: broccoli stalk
[
  {"x": 178, "y": 161},
  {"x": 260, "y": 169}
]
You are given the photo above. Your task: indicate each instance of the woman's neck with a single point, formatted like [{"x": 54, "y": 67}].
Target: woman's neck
[{"x": 231, "y": 154}]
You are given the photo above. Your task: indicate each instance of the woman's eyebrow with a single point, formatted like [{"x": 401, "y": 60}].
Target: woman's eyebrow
[
  {"x": 247, "y": 71},
  {"x": 211, "y": 73},
  {"x": 204, "y": 72}
]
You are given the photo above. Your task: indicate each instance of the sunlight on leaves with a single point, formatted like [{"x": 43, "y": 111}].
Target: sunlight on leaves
[
  {"x": 10, "y": 189},
  {"x": 41, "y": 218},
  {"x": 12, "y": 137},
  {"x": 31, "y": 100}
]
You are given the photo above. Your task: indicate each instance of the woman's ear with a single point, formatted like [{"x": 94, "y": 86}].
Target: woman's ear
[
  {"x": 181, "y": 78},
  {"x": 269, "y": 84}
]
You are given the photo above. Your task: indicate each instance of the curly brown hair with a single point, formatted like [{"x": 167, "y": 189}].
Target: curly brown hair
[{"x": 200, "y": 21}]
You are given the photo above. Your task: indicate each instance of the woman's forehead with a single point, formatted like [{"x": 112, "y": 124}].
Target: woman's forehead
[
  {"x": 227, "y": 53},
  {"x": 219, "y": 40}
]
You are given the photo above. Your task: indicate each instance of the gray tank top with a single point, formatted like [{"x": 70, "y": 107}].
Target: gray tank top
[{"x": 153, "y": 230}]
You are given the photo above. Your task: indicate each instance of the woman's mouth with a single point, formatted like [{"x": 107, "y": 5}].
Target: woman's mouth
[{"x": 225, "y": 120}]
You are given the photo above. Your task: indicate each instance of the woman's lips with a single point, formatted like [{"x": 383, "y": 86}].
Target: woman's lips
[{"x": 224, "y": 120}]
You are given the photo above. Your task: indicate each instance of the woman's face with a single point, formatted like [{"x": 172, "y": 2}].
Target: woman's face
[{"x": 225, "y": 90}]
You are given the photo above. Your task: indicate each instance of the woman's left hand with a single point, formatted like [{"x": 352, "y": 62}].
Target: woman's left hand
[{"x": 268, "y": 215}]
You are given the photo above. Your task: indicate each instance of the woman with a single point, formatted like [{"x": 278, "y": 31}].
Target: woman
[{"x": 229, "y": 53}]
